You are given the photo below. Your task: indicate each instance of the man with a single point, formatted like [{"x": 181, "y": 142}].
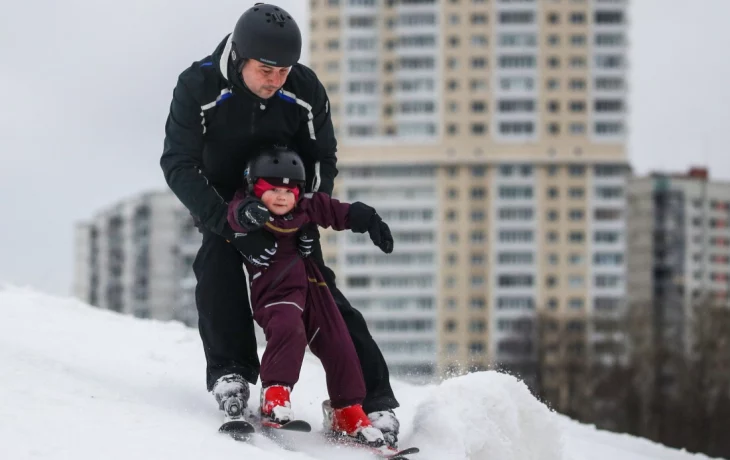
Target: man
[{"x": 251, "y": 93}]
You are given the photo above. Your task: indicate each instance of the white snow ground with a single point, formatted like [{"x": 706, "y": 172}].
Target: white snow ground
[{"x": 80, "y": 383}]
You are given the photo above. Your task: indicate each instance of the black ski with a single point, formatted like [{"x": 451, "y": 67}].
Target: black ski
[
  {"x": 401, "y": 454},
  {"x": 240, "y": 430},
  {"x": 383, "y": 452}
]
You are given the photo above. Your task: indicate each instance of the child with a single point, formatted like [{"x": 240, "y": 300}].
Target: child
[{"x": 290, "y": 300}]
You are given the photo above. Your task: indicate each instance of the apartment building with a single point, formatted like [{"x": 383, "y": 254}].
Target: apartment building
[
  {"x": 678, "y": 251},
  {"x": 136, "y": 256},
  {"x": 491, "y": 136}
]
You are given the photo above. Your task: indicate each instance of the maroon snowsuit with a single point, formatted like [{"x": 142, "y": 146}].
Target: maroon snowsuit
[{"x": 293, "y": 305}]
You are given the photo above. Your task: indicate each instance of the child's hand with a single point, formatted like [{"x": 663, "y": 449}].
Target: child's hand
[{"x": 251, "y": 214}]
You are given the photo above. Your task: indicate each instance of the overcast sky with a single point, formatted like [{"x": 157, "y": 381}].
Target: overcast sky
[{"x": 86, "y": 86}]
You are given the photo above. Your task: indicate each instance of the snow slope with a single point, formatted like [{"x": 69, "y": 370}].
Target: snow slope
[{"x": 81, "y": 383}]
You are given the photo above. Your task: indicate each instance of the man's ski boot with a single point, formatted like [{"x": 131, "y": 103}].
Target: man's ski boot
[
  {"x": 388, "y": 424},
  {"x": 231, "y": 392},
  {"x": 276, "y": 406}
]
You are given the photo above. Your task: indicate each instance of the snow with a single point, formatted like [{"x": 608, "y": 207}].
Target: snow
[{"x": 81, "y": 383}]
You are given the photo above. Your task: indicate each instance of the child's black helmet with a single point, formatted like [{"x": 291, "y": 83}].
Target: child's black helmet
[
  {"x": 267, "y": 34},
  {"x": 276, "y": 162}
]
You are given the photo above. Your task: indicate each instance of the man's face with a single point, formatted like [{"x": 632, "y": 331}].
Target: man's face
[{"x": 263, "y": 80}]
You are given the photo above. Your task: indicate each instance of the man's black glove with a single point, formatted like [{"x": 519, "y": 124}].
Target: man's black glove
[
  {"x": 306, "y": 237},
  {"x": 257, "y": 247},
  {"x": 363, "y": 219},
  {"x": 251, "y": 214}
]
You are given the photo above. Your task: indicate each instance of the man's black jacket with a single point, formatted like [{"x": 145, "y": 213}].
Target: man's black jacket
[{"x": 216, "y": 125}]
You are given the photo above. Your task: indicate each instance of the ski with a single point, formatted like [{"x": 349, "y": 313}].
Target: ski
[
  {"x": 383, "y": 452},
  {"x": 292, "y": 425},
  {"x": 240, "y": 430},
  {"x": 387, "y": 453}
]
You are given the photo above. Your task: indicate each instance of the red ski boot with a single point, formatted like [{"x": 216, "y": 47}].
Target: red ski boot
[
  {"x": 354, "y": 425},
  {"x": 275, "y": 405}
]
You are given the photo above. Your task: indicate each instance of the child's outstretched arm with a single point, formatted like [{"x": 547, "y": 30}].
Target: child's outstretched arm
[{"x": 358, "y": 217}]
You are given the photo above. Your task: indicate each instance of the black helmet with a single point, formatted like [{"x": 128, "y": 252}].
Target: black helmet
[
  {"x": 268, "y": 34},
  {"x": 276, "y": 162}
]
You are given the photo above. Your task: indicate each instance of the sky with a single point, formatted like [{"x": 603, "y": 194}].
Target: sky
[{"x": 86, "y": 88}]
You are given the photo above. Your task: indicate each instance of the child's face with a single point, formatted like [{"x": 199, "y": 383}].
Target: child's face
[{"x": 279, "y": 201}]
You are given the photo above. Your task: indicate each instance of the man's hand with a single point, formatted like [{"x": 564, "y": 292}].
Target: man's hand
[
  {"x": 251, "y": 214},
  {"x": 363, "y": 219},
  {"x": 257, "y": 247}
]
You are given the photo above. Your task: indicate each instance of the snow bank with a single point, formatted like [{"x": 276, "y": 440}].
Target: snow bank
[{"x": 487, "y": 415}]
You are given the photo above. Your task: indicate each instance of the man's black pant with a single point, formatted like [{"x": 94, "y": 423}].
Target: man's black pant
[{"x": 227, "y": 328}]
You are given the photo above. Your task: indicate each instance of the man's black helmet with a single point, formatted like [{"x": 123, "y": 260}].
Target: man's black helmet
[
  {"x": 268, "y": 34},
  {"x": 279, "y": 163}
]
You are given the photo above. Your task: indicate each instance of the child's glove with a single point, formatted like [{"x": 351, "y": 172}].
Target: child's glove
[
  {"x": 363, "y": 219},
  {"x": 251, "y": 214},
  {"x": 305, "y": 240}
]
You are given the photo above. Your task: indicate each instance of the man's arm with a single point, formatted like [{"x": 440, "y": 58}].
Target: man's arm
[
  {"x": 316, "y": 138},
  {"x": 182, "y": 162}
]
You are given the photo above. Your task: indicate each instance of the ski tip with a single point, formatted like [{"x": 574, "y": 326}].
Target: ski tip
[{"x": 237, "y": 429}]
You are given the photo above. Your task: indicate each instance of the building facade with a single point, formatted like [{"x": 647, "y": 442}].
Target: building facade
[
  {"x": 678, "y": 252},
  {"x": 493, "y": 131},
  {"x": 136, "y": 258}
]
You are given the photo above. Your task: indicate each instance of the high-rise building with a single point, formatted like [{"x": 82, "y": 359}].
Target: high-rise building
[
  {"x": 678, "y": 251},
  {"x": 491, "y": 136},
  {"x": 136, "y": 258}
]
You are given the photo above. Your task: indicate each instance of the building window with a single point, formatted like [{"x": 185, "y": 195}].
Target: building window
[
  {"x": 577, "y": 84},
  {"x": 575, "y": 281},
  {"x": 477, "y": 348},
  {"x": 477, "y": 237},
  {"x": 516, "y": 17},
  {"x": 477, "y": 85},
  {"x": 450, "y": 325},
  {"x": 576, "y": 237},
  {"x": 478, "y": 128},
  {"x": 577, "y": 128},
  {"x": 478, "y": 18},
  {"x": 478, "y": 63},
  {"x": 578, "y": 40},
  {"x": 479, "y": 41},
  {"x": 578, "y": 18},
  {"x": 576, "y": 192},
  {"x": 609, "y": 17},
  {"x": 516, "y": 128},
  {"x": 478, "y": 193}
]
